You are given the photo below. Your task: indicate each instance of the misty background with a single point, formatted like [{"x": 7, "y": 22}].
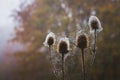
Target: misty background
[{"x": 24, "y": 25}]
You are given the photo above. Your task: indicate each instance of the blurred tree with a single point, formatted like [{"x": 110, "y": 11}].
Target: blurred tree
[{"x": 67, "y": 17}]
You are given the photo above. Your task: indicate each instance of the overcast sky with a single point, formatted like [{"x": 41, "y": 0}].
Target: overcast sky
[
  {"x": 6, "y": 21},
  {"x": 6, "y": 7}
]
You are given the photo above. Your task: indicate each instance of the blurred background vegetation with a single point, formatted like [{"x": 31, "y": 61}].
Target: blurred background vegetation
[{"x": 35, "y": 20}]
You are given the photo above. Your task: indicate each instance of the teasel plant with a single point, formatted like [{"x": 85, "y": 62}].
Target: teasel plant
[
  {"x": 95, "y": 27},
  {"x": 50, "y": 42},
  {"x": 63, "y": 48},
  {"x": 82, "y": 42}
]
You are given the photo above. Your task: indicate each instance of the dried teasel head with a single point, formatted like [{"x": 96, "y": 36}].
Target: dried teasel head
[
  {"x": 63, "y": 46},
  {"x": 82, "y": 41},
  {"x": 94, "y": 24},
  {"x": 50, "y": 39}
]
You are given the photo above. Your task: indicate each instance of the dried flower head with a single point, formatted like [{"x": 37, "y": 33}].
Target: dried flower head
[
  {"x": 82, "y": 40},
  {"x": 63, "y": 45},
  {"x": 50, "y": 39},
  {"x": 94, "y": 24}
]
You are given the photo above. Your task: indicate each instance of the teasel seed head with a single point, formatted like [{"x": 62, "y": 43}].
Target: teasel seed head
[
  {"x": 50, "y": 39},
  {"x": 94, "y": 24},
  {"x": 82, "y": 41},
  {"x": 63, "y": 46}
]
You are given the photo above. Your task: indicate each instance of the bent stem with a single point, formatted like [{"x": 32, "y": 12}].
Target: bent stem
[
  {"x": 63, "y": 66},
  {"x": 83, "y": 64}
]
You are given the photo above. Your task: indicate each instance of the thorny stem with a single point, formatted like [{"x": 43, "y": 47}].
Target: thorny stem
[
  {"x": 94, "y": 47},
  {"x": 83, "y": 64},
  {"x": 63, "y": 66}
]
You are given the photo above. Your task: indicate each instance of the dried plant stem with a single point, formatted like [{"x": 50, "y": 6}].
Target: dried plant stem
[
  {"x": 83, "y": 64},
  {"x": 50, "y": 55},
  {"x": 50, "y": 51},
  {"x": 94, "y": 47},
  {"x": 63, "y": 78}
]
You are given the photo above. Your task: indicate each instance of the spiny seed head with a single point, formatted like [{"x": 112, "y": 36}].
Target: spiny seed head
[
  {"x": 94, "y": 24},
  {"x": 63, "y": 45},
  {"x": 50, "y": 39},
  {"x": 82, "y": 41}
]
